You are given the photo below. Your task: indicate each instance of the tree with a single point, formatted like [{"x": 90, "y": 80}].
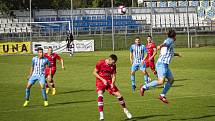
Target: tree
[
  {"x": 96, "y": 3},
  {"x": 3, "y": 7}
]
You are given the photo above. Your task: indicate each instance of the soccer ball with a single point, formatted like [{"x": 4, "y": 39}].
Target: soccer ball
[{"x": 121, "y": 9}]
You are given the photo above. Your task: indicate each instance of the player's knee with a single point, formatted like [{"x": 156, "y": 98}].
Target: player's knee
[
  {"x": 100, "y": 92},
  {"x": 28, "y": 86},
  {"x": 160, "y": 81},
  {"x": 144, "y": 72},
  {"x": 42, "y": 86},
  {"x": 117, "y": 94},
  {"x": 132, "y": 72},
  {"x": 171, "y": 80}
]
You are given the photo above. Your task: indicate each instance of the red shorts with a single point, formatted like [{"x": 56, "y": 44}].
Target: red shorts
[
  {"x": 100, "y": 86},
  {"x": 150, "y": 63},
  {"x": 47, "y": 71}
]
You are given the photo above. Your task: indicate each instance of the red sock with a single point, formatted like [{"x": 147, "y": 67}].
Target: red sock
[
  {"x": 52, "y": 83},
  {"x": 122, "y": 102},
  {"x": 155, "y": 72},
  {"x": 100, "y": 103},
  {"x": 47, "y": 85}
]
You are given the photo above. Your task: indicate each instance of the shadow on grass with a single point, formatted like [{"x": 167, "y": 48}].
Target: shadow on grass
[
  {"x": 72, "y": 102},
  {"x": 146, "y": 117},
  {"x": 172, "y": 86},
  {"x": 200, "y": 117},
  {"x": 177, "y": 80},
  {"x": 74, "y": 91},
  {"x": 211, "y": 106}
]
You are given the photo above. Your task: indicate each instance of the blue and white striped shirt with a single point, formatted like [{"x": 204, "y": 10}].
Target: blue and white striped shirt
[
  {"x": 167, "y": 52},
  {"x": 39, "y": 65},
  {"x": 138, "y": 52}
]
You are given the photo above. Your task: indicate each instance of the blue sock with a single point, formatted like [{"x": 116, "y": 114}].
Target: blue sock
[
  {"x": 151, "y": 84},
  {"x": 166, "y": 88},
  {"x": 146, "y": 78},
  {"x": 133, "y": 82},
  {"x": 27, "y": 93},
  {"x": 44, "y": 94}
]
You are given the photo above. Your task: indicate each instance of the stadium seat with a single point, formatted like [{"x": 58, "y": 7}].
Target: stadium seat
[
  {"x": 172, "y": 20},
  {"x": 201, "y": 12},
  {"x": 23, "y": 29},
  {"x": 1, "y": 30},
  {"x": 213, "y": 3},
  {"x": 183, "y": 3},
  {"x": 172, "y": 4},
  {"x": 154, "y": 4},
  {"x": 162, "y": 3},
  {"x": 177, "y": 20},
  {"x": 194, "y": 3},
  {"x": 210, "y": 12},
  {"x": 204, "y": 3},
  {"x": 7, "y": 30},
  {"x": 15, "y": 20},
  {"x": 3, "y": 20},
  {"x": 181, "y": 20},
  {"x": 18, "y": 30},
  {"x": 158, "y": 22}
]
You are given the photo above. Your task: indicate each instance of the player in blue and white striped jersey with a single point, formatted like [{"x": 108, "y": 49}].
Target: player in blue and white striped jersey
[
  {"x": 37, "y": 72},
  {"x": 162, "y": 66},
  {"x": 138, "y": 53}
]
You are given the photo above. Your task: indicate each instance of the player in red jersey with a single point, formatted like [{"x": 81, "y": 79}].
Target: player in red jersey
[
  {"x": 52, "y": 57},
  {"x": 152, "y": 51},
  {"x": 105, "y": 73}
]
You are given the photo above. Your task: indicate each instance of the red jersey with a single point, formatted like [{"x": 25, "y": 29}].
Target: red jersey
[
  {"x": 105, "y": 70},
  {"x": 52, "y": 59},
  {"x": 150, "y": 47}
]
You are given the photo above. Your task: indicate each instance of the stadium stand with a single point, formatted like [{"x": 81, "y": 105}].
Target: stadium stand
[
  {"x": 165, "y": 14},
  {"x": 13, "y": 26}
]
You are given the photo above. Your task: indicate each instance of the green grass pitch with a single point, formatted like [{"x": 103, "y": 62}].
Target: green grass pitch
[{"x": 191, "y": 98}]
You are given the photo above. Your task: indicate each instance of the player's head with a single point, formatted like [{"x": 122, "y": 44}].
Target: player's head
[
  {"x": 112, "y": 59},
  {"x": 50, "y": 50},
  {"x": 149, "y": 38},
  {"x": 172, "y": 34},
  {"x": 40, "y": 52},
  {"x": 137, "y": 41}
]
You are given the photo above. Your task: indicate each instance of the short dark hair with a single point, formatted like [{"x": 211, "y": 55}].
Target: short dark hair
[
  {"x": 50, "y": 47},
  {"x": 137, "y": 38},
  {"x": 149, "y": 36},
  {"x": 171, "y": 33},
  {"x": 39, "y": 48},
  {"x": 114, "y": 57}
]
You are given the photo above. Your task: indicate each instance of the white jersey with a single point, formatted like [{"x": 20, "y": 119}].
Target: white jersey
[
  {"x": 39, "y": 65},
  {"x": 138, "y": 52},
  {"x": 167, "y": 52}
]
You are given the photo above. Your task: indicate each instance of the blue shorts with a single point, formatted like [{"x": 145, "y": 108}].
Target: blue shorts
[
  {"x": 163, "y": 70},
  {"x": 34, "y": 78},
  {"x": 136, "y": 66}
]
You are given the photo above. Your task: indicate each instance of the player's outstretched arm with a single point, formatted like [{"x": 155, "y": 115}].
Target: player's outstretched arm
[
  {"x": 95, "y": 73},
  {"x": 154, "y": 53},
  {"x": 50, "y": 72},
  {"x": 113, "y": 79},
  {"x": 62, "y": 63},
  {"x": 131, "y": 57},
  {"x": 145, "y": 56},
  {"x": 160, "y": 46},
  {"x": 31, "y": 71}
]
